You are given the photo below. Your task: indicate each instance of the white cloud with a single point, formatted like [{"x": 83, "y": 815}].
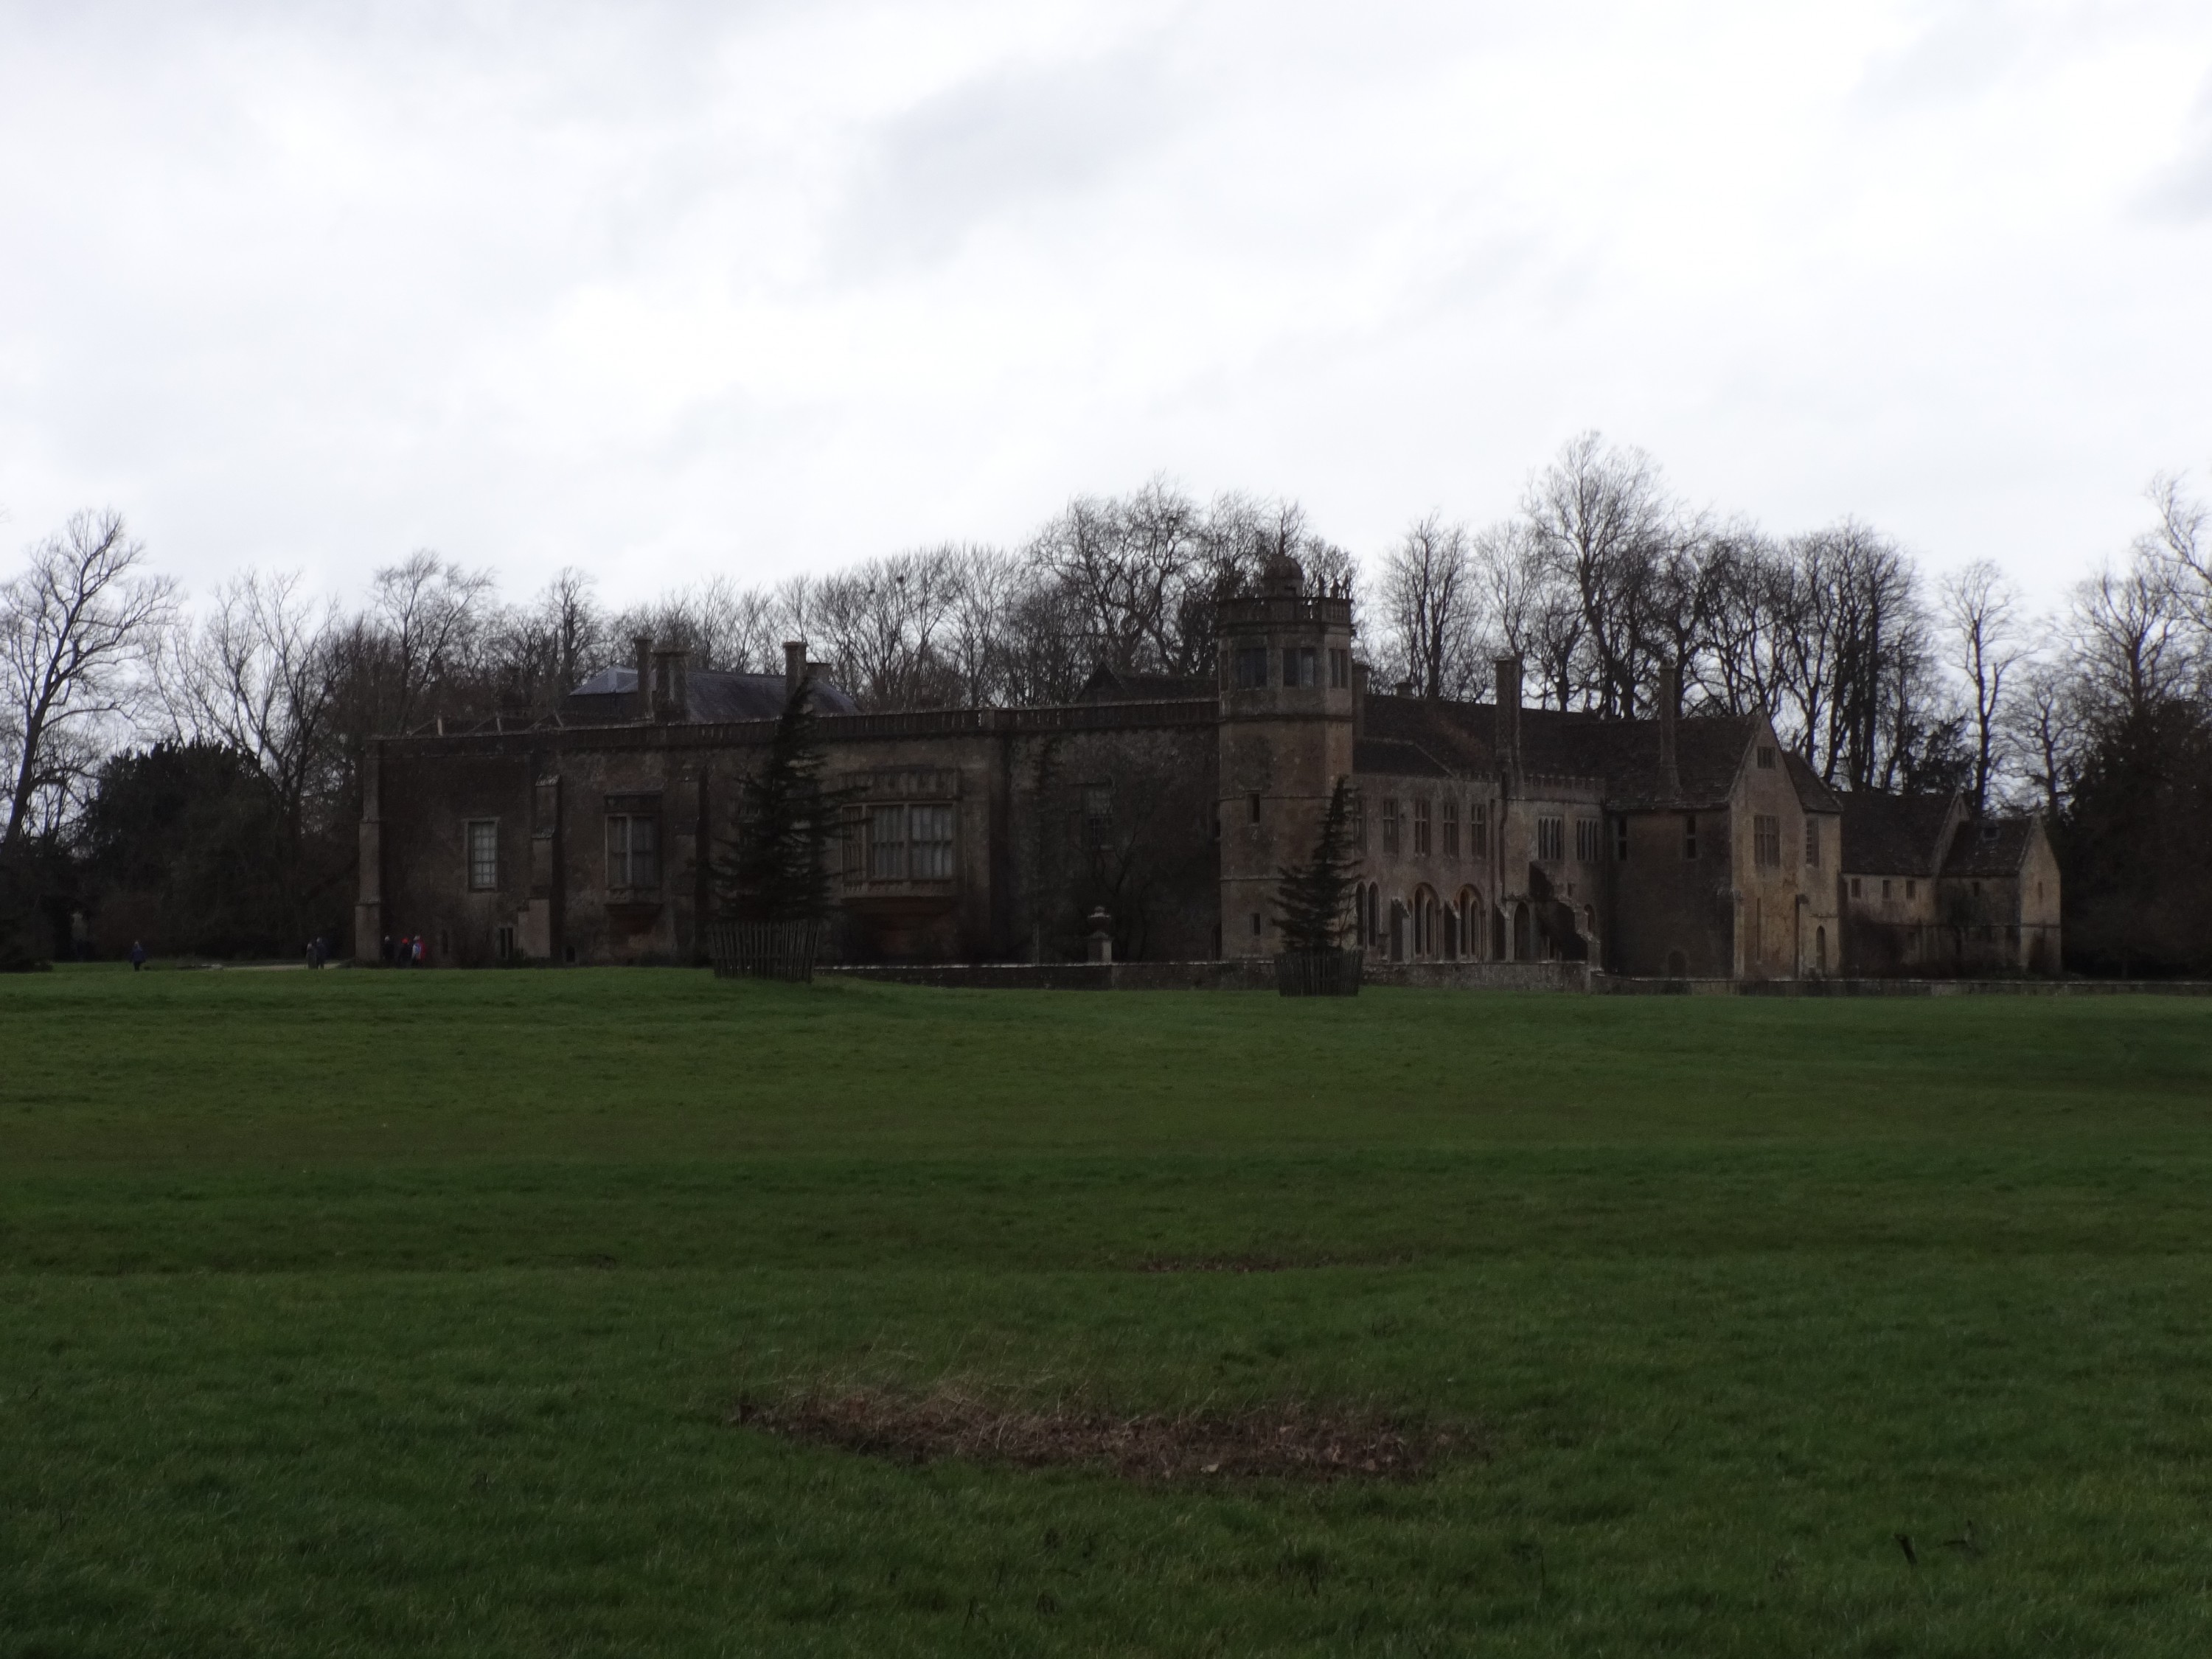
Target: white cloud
[{"x": 663, "y": 289}]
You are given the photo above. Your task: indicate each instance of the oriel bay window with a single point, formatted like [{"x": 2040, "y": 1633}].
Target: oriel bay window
[
  {"x": 632, "y": 842},
  {"x": 901, "y": 841},
  {"x": 929, "y": 844}
]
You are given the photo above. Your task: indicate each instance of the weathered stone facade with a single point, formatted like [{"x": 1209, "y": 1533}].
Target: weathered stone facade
[{"x": 1487, "y": 832}]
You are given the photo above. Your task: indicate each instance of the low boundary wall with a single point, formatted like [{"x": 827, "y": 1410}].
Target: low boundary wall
[
  {"x": 1243, "y": 974},
  {"x": 1258, "y": 974},
  {"x": 1614, "y": 985}
]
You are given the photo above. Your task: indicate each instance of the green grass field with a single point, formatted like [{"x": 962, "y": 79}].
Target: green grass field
[{"x": 410, "y": 1313}]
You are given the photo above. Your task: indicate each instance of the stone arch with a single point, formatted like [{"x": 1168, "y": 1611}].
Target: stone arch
[
  {"x": 1523, "y": 945},
  {"x": 1819, "y": 950},
  {"x": 1425, "y": 920},
  {"x": 1398, "y": 919},
  {"x": 1471, "y": 926}
]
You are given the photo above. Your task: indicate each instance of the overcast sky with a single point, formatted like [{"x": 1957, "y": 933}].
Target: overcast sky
[{"x": 670, "y": 290}]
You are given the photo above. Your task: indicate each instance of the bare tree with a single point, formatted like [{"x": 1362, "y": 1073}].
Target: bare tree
[
  {"x": 1123, "y": 564},
  {"x": 74, "y": 628},
  {"x": 260, "y": 677},
  {"x": 1983, "y": 610},
  {"x": 985, "y": 587},
  {"x": 2131, "y": 639},
  {"x": 1428, "y": 598},
  {"x": 2043, "y": 730},
  {"x": 2183, "y": 537},
  {"x": 414, "y": 654},
  {"x": 1603, "y": 520}
]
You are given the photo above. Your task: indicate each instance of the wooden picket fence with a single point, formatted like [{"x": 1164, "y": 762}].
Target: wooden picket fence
[
  {"x": 765, "y": 949},
  {"x": 1319, "y": 973}
]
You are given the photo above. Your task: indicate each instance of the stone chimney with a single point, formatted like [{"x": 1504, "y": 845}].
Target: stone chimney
[
  {"x": 641, "y": 656},
  {"x": 794, "y": 664},
  {"x": 671, "y": 675},
  {"x": 1508, "y": 715},
  {"x": 1670, "y": 698}
]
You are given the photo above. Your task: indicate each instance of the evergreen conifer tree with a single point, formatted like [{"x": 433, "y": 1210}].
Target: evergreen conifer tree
[
  {"x": 777, "y": 869},
  {"x": 1311, "y": 899}
]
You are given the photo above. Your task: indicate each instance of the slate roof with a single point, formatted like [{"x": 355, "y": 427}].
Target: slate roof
[
  {"x": 1393, "y": 758},
  {"x": 709, "y": 695},
  {"x": 1118, "y": 685},
  {"x": 1989, "y": 846},
  {"x": 1624, "y": 755},
  {"x": 1813, "y": 795},
  {"x": 1894, "y": 835}
]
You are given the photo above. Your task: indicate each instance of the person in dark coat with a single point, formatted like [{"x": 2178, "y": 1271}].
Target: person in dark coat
[{"x": 137, "y": 954}]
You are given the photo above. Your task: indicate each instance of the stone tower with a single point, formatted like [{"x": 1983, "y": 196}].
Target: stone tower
[{"x": 1287, "y": 699}]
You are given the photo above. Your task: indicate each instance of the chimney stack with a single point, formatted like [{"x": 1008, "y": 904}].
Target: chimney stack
[
  {"x": 1509, "y": 715},
  {"x": 670, "y": 684},
  {"x": 1670, "y": 698},
  {"x": 641, "y": 656},
  {"x": 794, "y": 664}
]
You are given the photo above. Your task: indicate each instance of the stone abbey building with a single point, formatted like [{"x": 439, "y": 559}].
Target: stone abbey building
[{"x": 1673, "y": 846}]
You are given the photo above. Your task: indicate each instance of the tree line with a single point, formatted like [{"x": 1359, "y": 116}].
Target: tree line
[{"x": 191, "y": 771}]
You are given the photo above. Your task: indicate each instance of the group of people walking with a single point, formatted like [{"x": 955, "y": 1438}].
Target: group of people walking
[{"x": 408, "y": 951}]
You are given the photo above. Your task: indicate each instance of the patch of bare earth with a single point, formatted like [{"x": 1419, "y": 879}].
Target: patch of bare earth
[{"x": 1293, "y": 1441}]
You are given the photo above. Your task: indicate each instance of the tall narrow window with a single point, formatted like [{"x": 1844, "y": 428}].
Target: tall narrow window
[
  {"x": 1689, "y": 835},
  {"x": 483, "y": 854},
  {"x": 1339, "y": 668},
  {"x": 1452, "y": 826},
  {"x": 1767, "y": 756},
  {"x": 1256, "y": 806},
  {"x": 1811, "y": 842},
  {"x": 1390, "y": 824},
  {"x": 1766, "y": 840},
  {"x": 633, "y": 851},
  {"x": 1301, "y": 664},
  {"x": 1098, "y": 814},
  {"x": 1587, "y": 841},
  {"x": 1620, "y": 840},
  {"x": 1478, "y": 830},
  {"x": 1251, "y": 666},
  {"x": 1421, "y": 826},
  {"x": 1359, "y": 822},
  {"x": 1551, "y": 840},
  {"x": 929, "y": 844},
  {"x": 887, "y": 843}
]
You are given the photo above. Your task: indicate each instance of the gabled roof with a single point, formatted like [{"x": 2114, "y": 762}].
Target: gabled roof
[
  {"x": 1813, "y": 795},
  {"x": 1895, "y": 835},
  {"x": 1989, "y": 846},
  {"x": 709, "y": 695}
]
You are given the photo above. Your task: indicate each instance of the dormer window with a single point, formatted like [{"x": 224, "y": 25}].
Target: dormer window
[{"x": 1767, "y": 756}]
